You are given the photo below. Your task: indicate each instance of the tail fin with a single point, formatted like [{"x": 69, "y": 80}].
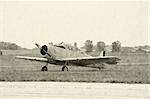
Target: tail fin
[{"x": 102, "y": 53}]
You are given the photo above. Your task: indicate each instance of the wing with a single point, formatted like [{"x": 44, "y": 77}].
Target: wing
[
  {"x": 91, "y": 60},
  {"x": 33, "y": 58},
  {"x": 86, "y": 58}
]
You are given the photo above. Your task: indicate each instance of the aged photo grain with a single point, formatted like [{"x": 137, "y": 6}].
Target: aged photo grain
[{"x": 96, "y": 43}]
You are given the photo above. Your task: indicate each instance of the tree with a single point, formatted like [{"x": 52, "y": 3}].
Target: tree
[
  {"x": 50, "y": 43},
  {"x": 88, "y": 46},
  {"x": 75, "y": 46},
  {"x": 10, "y": 46},
  {"x": 100, "y": 46},
  {"x": 116, "y": 46}
]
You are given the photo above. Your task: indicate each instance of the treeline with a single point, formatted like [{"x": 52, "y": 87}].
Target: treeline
[
  {"x": 9, "y": 46},
  {"x": 114, "y": 47},
  {"x": 89, "y": 46},
  {"x": 100, "y": 46}
]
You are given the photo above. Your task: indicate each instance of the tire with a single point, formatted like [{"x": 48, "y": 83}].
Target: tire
[
  {"x": 64, "y": 68},
  {"x": 44, "y": 68},
  {"x": 101, "y": 68}
]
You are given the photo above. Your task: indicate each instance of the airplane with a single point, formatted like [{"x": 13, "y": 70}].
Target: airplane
[{"x": 63, "y": 56}]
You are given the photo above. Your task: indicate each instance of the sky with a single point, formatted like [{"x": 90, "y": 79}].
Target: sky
[{"x": 28, "y": 22}]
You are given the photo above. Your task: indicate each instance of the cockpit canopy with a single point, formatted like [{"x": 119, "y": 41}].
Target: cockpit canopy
[
  {"x": 65, "y": 46},
  {"x": 61, "y": 46}
]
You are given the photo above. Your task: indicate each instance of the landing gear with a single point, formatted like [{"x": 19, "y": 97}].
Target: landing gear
[
  {"x": 44, "y": 68},
  {"x": 64, "y": 68},
  {"x": 101, "y": 67}
]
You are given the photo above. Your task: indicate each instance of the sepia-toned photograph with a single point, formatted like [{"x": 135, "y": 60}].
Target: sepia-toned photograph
[{"x": 74, "y": 49}]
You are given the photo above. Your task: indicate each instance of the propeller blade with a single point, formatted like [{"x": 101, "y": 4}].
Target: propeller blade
[
  {"x": 37, "y": 45},
  {"x": 42, "y": 49}
]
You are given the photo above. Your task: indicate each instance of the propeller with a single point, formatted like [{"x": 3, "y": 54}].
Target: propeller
[
  {"x": 43, "y": 51},
  {"x": 37, "y": 45}
]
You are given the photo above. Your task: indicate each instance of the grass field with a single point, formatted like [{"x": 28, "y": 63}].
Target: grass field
[{"x": 12, "y": 69}]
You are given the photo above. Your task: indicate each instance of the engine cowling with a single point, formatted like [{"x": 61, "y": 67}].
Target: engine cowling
[{"x": 44, "y": 50}]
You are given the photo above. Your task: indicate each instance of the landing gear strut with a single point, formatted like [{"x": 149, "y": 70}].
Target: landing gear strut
[
  {"x": 44, "y": 68},
  {"x": 64, "y": 68}
]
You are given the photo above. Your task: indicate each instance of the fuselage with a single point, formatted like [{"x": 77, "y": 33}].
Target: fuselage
[{"x": 59, "y": 52}]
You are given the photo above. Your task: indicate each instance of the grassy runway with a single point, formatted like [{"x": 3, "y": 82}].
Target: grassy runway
[{"x": 12, "y": 69}]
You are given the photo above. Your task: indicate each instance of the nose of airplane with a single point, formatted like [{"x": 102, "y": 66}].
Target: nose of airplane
[{"x": 44, "y": 50}]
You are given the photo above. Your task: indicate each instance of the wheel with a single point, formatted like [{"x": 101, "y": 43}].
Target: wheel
[
  {"x": 44, "y": 68},
  {"x": 100, "y": 68},
  {"x": 64, "y": 68}
]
